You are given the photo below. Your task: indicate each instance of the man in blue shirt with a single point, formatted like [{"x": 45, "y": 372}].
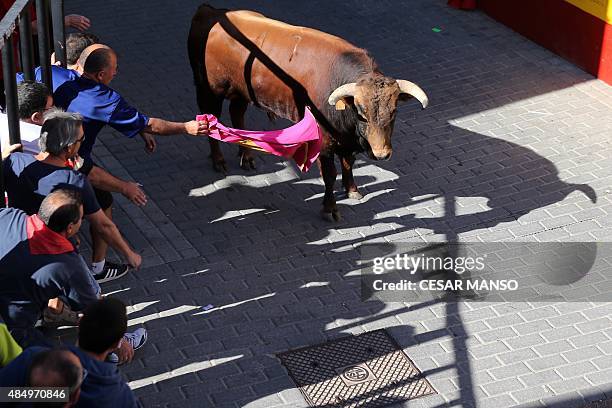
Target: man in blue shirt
[
  {"x": 39, "y": 263},
  {"x": 100, "y": 105}
]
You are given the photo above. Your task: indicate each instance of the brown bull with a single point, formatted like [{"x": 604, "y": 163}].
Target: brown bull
[{"x": 248, "y": 58}]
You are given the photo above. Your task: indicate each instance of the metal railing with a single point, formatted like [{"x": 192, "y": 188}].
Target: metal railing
[{"x": 19, "y": 16}]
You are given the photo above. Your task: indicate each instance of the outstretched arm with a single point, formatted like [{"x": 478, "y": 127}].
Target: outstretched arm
[{"x": 164, "y": 127}]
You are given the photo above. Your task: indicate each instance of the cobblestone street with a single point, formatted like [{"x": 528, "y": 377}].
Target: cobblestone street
[{"x": 515, "y": 146}]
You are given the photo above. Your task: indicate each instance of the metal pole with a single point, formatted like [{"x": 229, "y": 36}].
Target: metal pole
[
  {"x": 26, "y": 44},
  {"x": 59, "y": 32},
  {"x": 43, "y": 42},
  {"x": 10, "y": 89}
]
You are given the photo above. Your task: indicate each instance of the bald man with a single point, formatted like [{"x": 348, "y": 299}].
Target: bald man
[
  {"x": 39, "y": 263},
  {"x": 42, "y": 367},
  {"x": 100, "y": 105},
  {"x": 91, "y": 96}
]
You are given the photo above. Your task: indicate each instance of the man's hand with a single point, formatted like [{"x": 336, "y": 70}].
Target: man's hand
[
  {"x": 7, "y": 150},
  {"x": 150, "y": 142},
  {"x": 77, "y": 21},
  {"x": 125, "y": 352},
  {"x": 197, "y": 128},
  {"x": 135, "y": 260},
  {"x": 134, "y": 193}
]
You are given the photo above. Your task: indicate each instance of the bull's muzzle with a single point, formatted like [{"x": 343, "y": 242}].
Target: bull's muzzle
[{"x": 383, "y": 154}]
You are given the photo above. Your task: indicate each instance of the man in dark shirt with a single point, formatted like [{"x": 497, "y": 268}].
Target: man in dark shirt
[{"x": 39, "y": 263}]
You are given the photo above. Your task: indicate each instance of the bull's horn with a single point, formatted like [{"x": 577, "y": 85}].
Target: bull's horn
[
  {"x": 414, "y": 90},
  {"x": 341, "y": 92}
]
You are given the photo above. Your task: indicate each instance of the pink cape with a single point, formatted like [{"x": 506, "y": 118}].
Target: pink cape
[{"x": 301, "y": 142}]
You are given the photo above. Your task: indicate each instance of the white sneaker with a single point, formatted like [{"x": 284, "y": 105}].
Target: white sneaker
[{"x": 137, "y": 338}]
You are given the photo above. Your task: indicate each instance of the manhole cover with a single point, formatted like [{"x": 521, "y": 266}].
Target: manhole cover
[{"x": 368, "y": 370}]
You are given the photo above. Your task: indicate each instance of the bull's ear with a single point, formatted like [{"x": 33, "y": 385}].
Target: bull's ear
[{"x": 342, "y": 102}]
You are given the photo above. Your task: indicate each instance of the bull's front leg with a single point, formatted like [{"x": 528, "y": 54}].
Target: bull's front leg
[
  {"x": 347, "y": 177},
  {"x": 328, "y": 172}
]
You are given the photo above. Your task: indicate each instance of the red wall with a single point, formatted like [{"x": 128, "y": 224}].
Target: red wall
[{"x": 561, "y": 27}]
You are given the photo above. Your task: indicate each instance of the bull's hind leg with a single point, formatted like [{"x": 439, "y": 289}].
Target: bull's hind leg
[
  {"x": 237, "y": 110},
  {"x": 210, "y": 103},
  {"x": 347, "y": 177},
  {"x": 328, "y": 172}
]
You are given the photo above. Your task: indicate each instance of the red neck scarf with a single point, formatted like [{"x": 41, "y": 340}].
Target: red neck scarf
[{"x": 43, "y": 240}]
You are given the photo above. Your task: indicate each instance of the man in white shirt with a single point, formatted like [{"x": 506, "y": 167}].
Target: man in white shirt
[{"x": 34, "y": 100}]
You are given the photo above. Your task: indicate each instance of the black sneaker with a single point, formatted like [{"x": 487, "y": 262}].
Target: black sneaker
[{"x": 111, "y": 271}]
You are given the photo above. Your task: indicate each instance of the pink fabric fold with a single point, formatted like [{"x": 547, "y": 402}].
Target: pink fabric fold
[{"x": 300, "y": 142}]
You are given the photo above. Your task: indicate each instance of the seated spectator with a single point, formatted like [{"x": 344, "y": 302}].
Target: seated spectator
[
  {"x": 33, "y": 99},
  {"x": 9, "y": 349},
  {"x": 101, "y": 331},
  {"x": 43, "y": 367},
  {"x": 39, "y": 263},
  {"x": 75, "y": 44},
  {"x": 28, "y": 179}
]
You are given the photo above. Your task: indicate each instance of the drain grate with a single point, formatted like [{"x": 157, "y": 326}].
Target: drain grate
[{"x": 368, "y": 370}]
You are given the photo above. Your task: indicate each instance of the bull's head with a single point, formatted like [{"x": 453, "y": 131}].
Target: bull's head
[{"x": 373, "y": 98}]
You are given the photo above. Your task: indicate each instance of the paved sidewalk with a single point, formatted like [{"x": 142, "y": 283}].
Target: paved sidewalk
[{"x": 515, "y": 146}]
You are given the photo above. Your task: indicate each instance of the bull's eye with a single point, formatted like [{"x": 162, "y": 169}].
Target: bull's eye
[{"x": 361, "y": 118}]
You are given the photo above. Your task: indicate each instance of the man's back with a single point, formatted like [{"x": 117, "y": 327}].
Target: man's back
[
  {"x": 104, "y": 386},
  {"x": 99, "y": 105},
  {"x": 28, "y": 181},
  {"x": 59, "y": 75},
  {"x": 37, "y": 264}
]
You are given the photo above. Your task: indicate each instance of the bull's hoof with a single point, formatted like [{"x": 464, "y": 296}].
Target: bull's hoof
[
  {"x": 247, "y": 162},
  {"x": 355, "y": 195},
  {"x": 332, "y": 216}
]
